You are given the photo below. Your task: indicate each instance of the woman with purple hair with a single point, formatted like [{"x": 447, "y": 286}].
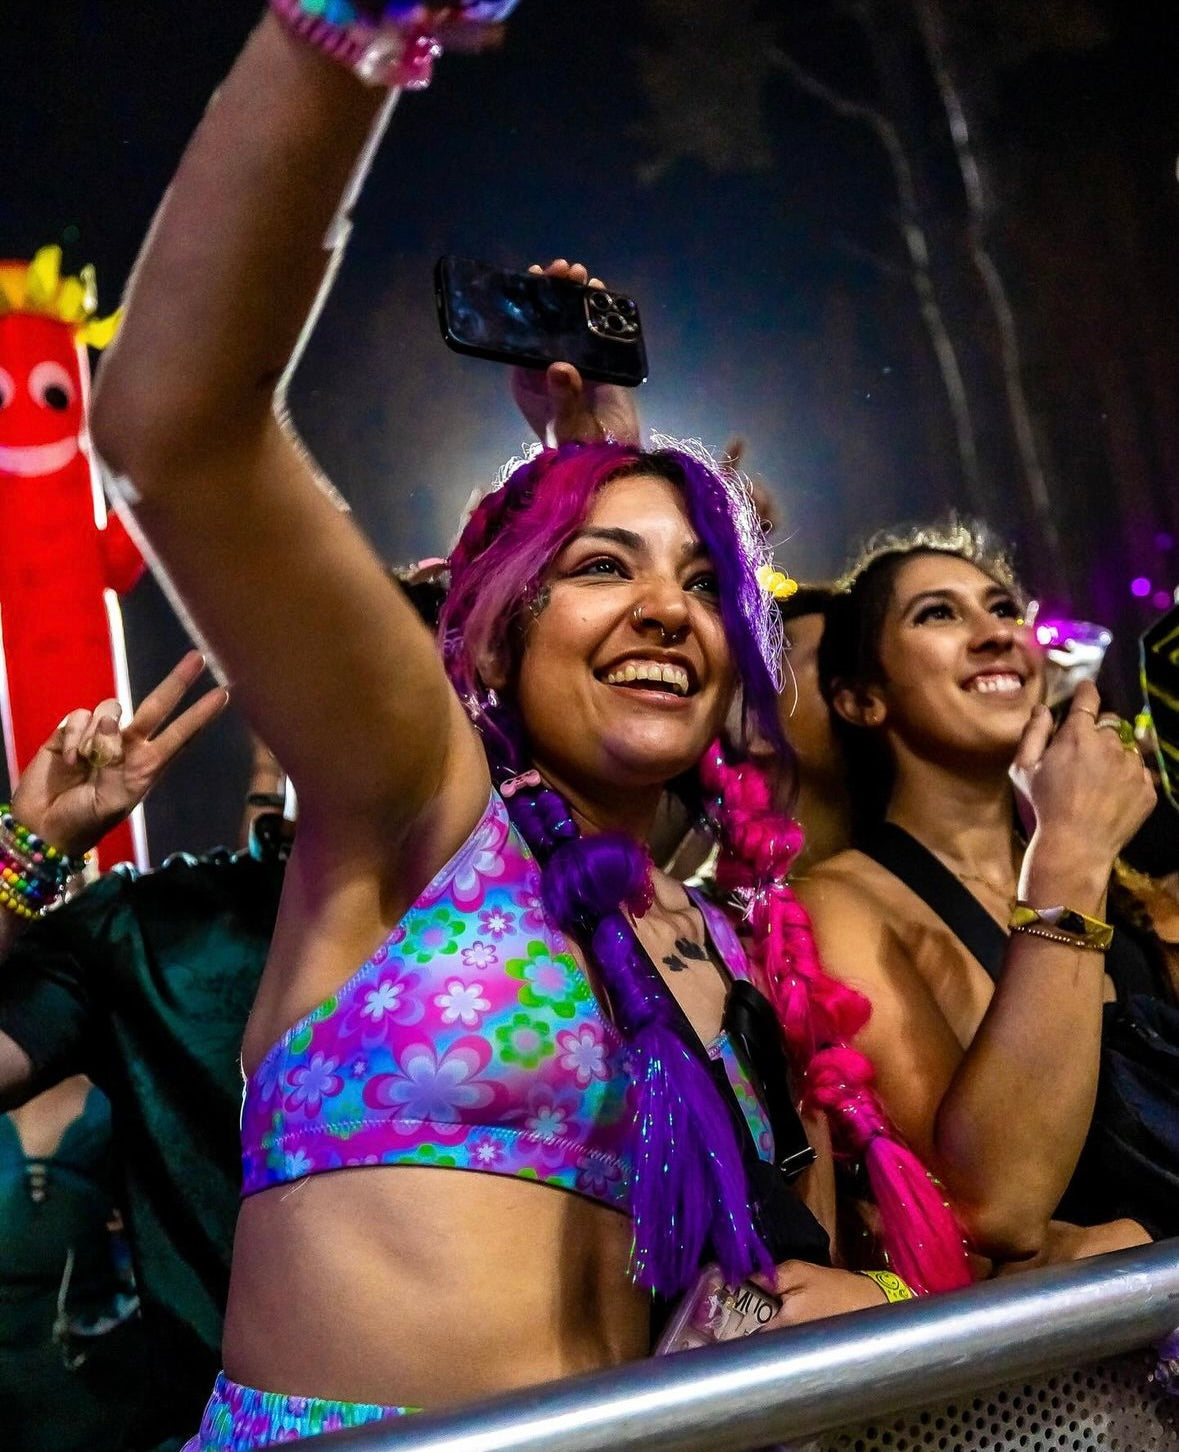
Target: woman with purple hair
[{"x": 534, "y": 1004}]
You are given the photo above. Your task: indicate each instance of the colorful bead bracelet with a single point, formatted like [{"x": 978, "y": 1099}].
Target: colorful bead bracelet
[{"x": 33, "y": 873}]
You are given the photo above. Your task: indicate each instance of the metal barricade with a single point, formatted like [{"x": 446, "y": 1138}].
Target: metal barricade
[{"x": 1019, "y": 1339}]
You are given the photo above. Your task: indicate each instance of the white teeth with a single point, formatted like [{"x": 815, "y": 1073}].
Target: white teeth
[
  {"x": 991, "y": 684},
  {"x": 667, "y": 675}
]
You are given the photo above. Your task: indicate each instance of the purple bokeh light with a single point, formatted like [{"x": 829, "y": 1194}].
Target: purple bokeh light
[{"x": 1140, "y": 586}]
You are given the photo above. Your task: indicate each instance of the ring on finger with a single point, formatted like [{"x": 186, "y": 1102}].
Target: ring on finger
[
  {"x": 1085, "y": 711},
  {"x": 1125, "y": 731}
]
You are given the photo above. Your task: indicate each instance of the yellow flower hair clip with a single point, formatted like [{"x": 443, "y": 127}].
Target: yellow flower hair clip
[{"x": 776, "y": 584}]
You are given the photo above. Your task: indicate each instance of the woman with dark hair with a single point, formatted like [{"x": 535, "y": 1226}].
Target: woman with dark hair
[
  {"x": 534, "y": 1004},
  {"x": 984, "y": 956}
]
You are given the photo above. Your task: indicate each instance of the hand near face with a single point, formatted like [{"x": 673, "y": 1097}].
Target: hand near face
[
  {"x": 1084, "y": 789},
  {"x": 560, "y": 406},
  {"x": 91, "y": 773}
]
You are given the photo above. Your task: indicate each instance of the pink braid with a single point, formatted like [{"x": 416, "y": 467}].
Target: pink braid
[{"x": 819, "y": 1017}]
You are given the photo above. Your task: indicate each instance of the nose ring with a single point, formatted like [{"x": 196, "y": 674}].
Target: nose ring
[{"x": 640, "y": 619}]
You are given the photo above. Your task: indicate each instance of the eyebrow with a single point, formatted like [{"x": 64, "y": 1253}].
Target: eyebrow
[
  {"x": 994, "y": 592},
  {"x": 628, "y": 539}
]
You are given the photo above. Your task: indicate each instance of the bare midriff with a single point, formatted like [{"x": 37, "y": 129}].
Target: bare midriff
[{"x": 426, "y": 1287}]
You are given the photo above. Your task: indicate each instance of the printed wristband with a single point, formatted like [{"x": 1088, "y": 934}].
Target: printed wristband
[
  {"x": 383, "y": 44},
  {"x": 1062, "y": 925},
  {"x": 891, "y": 1284}
]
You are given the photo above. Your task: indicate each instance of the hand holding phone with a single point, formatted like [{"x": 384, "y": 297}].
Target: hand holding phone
[
  {"x": 532, "y": 319},
  {"x": 712, "y": 1311}
]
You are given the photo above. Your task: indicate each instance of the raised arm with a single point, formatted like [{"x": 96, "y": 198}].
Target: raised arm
[
  {"x": 331, "y": 664},
  {"x": 996, "y": 1097},
  {"x": 88, "y": 776}
]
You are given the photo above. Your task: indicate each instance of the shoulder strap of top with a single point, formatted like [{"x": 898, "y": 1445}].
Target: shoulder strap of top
[{"x": 937, "y": 887}]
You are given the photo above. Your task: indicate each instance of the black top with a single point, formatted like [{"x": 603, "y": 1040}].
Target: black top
[
  {"x": 144, "y": 983},
  {"x": 1129, "y": 1166}
]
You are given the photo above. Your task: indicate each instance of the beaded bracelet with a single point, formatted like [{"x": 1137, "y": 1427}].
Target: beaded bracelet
[
  {"x": 384, "y": 43},
  {"x": 891, "y": 1284},
  {"x": 33, "y": 873}
]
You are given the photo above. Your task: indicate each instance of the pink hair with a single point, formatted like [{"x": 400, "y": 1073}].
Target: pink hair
[{"x": 819, "y": 1016}]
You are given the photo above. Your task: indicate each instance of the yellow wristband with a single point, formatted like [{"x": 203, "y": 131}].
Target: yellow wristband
[
  {"x": 1063, "y": 925},
  {"x": 891, "y": 1284}
]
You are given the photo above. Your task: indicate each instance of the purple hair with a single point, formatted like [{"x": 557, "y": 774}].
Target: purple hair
[
  {"x": 690, "y": 1189},
  {"x": 516, "y": 532}
]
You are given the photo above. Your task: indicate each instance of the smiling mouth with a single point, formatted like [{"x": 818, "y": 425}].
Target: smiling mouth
[
  {"x": 34, "y": 460},
  {"x": 1000, "y": 683},
  {"x": 651, "y": 676}
]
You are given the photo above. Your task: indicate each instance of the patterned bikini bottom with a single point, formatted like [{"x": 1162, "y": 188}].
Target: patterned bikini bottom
[{"x": 241, "y": 1418}]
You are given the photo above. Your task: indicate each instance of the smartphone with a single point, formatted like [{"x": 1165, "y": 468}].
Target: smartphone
[
  {"x": 531, "y": 321},
  {"x": 713, "y": 1311}
]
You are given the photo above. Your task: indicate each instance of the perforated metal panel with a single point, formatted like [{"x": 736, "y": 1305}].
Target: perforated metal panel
[{"x": 1110, "y": 1405}]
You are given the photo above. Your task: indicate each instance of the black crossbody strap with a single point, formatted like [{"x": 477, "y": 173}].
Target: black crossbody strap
[{"x": 939, "y": 889}]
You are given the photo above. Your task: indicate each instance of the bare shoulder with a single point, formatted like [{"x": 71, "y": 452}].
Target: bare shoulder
[
  {"x": 864, "y": 930},
  {"x": 849, "y": 883}
]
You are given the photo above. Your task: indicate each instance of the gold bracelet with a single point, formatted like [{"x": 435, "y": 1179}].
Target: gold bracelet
[
  {"x": 891, "y": 1284},
  {"x": 1062, "y": 925}
]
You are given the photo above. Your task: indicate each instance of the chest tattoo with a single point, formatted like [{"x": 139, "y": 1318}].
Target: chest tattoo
[{"x": 685, "y": 948}]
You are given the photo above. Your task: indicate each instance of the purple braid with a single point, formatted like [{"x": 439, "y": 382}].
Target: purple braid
[{"x": 690, "y": 1193}]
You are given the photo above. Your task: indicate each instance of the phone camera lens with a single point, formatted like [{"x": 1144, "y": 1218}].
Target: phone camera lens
[
  {"x": 615, "y": 324},
  {"x": 599, "y": 300},
  {"x": 625, "y": 306}
]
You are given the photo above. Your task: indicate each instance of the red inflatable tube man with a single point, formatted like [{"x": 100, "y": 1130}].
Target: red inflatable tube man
[{"x": 62, "y": 561}]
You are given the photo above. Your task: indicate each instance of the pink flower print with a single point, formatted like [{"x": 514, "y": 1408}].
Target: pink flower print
[
  {"x": 481, "y": 861},
  {"x": 394, "y": 998},
  {"x": 528, "y": 897},
  {"x": 496, "y": 923},
  {"x": 440, "y": 1090},
  {"x": 383, "y": 1001},
  {"x": 599, "y": 1177},
  {"x": 583, "y": 1054},
  {"x": 313, "y": 1082},
  {"x": 434, "y": 934},
  {"x": 550, "y": 1121},
  {"x": 462, "y": 1003},
  {"x": 524, "y": 1040},
  {"x": 550, "y": 980},
  {"x": 296, "y": 1164},
  {"x": 480, "y": 955},
  {"x": 268, "y": 1075},
  {"x": 486, "y": 1153}
]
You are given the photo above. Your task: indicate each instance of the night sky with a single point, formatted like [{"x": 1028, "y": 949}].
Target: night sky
[{"x": 672, "y": 147}]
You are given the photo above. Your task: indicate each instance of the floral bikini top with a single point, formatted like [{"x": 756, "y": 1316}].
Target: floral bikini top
[{"x": 471, "y": 1039}]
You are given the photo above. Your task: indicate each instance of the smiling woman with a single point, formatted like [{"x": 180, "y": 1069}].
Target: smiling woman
[
  {"x": 522, "y": 1112},
  {"x": 987, "y": 1047}
]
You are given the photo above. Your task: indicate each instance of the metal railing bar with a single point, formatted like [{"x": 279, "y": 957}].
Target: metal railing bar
[{"x": 791, "y": 1384}]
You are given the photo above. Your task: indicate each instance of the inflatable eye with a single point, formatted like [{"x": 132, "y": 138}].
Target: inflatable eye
[
  {"x": 6, "y": 388},
  {"x": 51, "y": 386}
]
